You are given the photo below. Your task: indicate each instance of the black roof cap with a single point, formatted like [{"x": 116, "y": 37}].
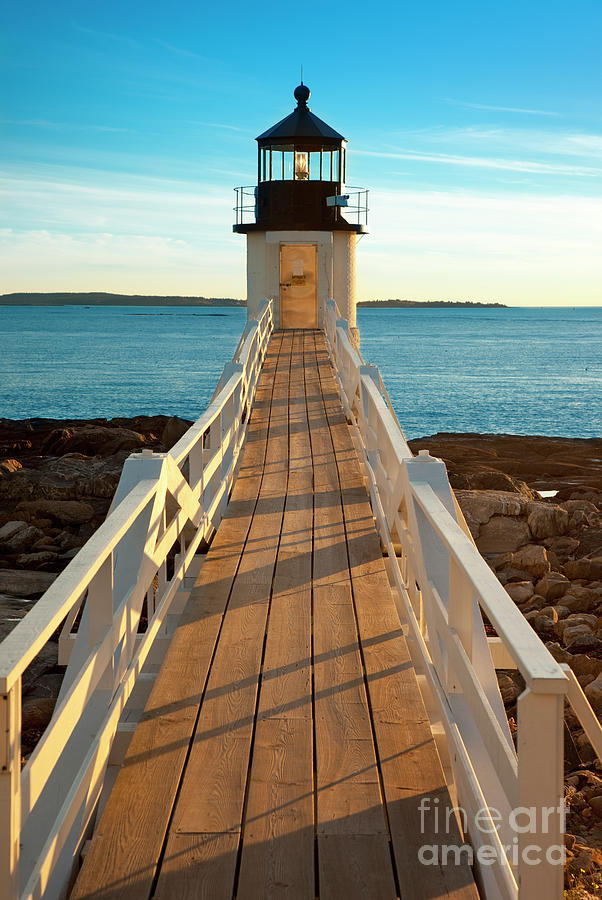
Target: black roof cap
[{"x": 301, "y": 123}]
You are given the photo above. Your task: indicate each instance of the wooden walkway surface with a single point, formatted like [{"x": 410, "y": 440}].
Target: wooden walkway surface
[{"x": 285, "y": 747}]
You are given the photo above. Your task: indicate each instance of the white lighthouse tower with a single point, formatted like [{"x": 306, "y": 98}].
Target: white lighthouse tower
[{"x": 301, "y": 222}]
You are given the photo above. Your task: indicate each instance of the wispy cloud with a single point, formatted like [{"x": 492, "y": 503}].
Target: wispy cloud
[
  {"x": 62, "y": 126},
  {"x": 80, "y": 200},
  {"x": 483, "y": 162},
  {"x": 508, "y": 109},
  {"x": 180, "y": 51},
  {"x": 506, "y": 141},
  {"x": 106, "y": 35},
  {"x": 219, "y": 125}
]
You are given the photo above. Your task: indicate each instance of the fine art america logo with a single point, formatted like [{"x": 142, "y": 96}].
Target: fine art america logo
[{"x": 487, "y": 826}]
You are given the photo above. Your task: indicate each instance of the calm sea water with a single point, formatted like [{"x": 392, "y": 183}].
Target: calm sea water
[{"x": 522, "y": 371}]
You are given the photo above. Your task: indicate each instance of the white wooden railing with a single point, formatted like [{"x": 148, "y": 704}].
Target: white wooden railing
[
  {"x": 164, "y": 501},
  {"x": 510, "y": 800}
]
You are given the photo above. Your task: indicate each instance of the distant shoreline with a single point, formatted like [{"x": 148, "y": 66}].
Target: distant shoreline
[
  {"x": 421, "y": 304},
  {"x": 99, "y": 298}
]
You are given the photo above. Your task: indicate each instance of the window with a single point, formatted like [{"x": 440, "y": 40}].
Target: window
[
  {"x": 315, "y": 168},
  {"x": 335, "y": 165},
  {"x": 288, "y": 165},
  {"x": 277, "y": 172}
]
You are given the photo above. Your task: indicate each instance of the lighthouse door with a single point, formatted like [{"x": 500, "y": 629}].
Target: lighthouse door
[{"x": 298, "y": 286}]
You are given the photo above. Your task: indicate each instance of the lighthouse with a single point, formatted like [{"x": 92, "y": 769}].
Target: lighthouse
[{"x": 301, "y": 222}]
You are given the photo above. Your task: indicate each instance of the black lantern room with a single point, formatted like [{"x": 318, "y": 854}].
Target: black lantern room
[{"x": 300, "y": 178}]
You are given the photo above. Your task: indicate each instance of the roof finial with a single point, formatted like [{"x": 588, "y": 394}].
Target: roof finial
[{"x": 301, "y": 93}]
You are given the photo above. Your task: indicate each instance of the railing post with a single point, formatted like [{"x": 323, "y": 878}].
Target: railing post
[
  {"x": 539, "y": 818},
  {"x": 10, "y": 790},
  {"x": 100, "y": 615}
]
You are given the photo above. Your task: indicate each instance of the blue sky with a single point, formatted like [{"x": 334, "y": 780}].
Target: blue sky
[{"x": 477, "y": 127}]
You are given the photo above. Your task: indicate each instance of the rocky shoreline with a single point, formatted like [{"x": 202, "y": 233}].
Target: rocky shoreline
[{"x": 57, "y": 478}]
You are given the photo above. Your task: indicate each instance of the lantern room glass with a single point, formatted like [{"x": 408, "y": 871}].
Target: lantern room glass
[{"x": 285, "y": 162}]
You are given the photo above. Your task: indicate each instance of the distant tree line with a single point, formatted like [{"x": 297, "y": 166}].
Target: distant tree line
[
  {"x": 97, "y": 298},
  {"x": 380, "y": 304}
]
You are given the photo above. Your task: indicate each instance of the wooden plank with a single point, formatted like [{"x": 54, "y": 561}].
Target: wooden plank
[
  {"x": 127, "y": 843},
  {"x": 277, "y": 858},
  {"x": 348, "y": 793},
  {"x": 408, "y": 758},
  {"x": 356, "y": 867},
  {"x": 198, "y": 867},
  {"x": 213, "y": 788}
]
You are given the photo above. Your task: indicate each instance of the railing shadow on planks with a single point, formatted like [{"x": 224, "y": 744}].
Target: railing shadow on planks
[
  {"x": 164, "y": 502},
  {"x": 442, "y": 586},
  {"x": 510, "y": 800}
]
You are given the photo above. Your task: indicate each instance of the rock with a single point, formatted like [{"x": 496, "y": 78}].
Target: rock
[
  {"x": 502, "y": 533},
  {"x": 552, "y": 586},
  {"x": 533, "y": 559},
  {"x": 23, "y": 539},
  {"x": 585, "y": 643},
  {"x": 587, "y": 569},
  {"x": 596, "y": 805},
  {"x": 569, "y": 840},
  {"x": 174, "y": 429},
  {"x": 482, "y": 505},
  {"x": 573, "y": 631},
  {"x": 573, "y": 604},
  {"x": 571, "y": 466},
  {"x": 37, "y": 712},
  {"x": 550, "y": 612},
  {"x": 572, "y": 506},
  {"x": 66, "y": 512},
  {"x": 92, "y": 440},
  {"x": 561, "y": 611},
  {"x": 593, "y": 692},
  {"x": 45, "y": 543},
  {"x": 580, "y": 663},
  {"x": 21, "y": 583},
  {"x": 71, "y": 554},
  {"x": 547, "y": 520},
  {"x": 483, "y": 479},
  {"x": 11, "y": 529},
  {"x": 582, "y": 619},
  {"x": 36, "y": 560},
  {"x": 543, "y": 625},
  {"x": 584, "y": 594},
  {"x": 8, "y": 466},
  {"x": 536, "y": 602},
  {"x": 508, "y": 688},
  {"x": 67, "y": 541},
  {"x": 563, "y": 547},
  {"x": 520, "y": 591},
  {"x": 513, "y": 576},
  {"x": 67, "y": 478}
]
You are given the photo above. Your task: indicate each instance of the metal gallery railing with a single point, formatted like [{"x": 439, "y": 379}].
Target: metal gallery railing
[
  {"x": 510, "y": 801},
  {"x": 165, "y": 506}
]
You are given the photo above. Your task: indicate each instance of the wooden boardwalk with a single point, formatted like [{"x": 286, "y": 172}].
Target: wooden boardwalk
[{"x": 285, "y": 747}]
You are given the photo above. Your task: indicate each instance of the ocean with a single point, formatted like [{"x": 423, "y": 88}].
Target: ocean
[{"x": 518, "y": 370}]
